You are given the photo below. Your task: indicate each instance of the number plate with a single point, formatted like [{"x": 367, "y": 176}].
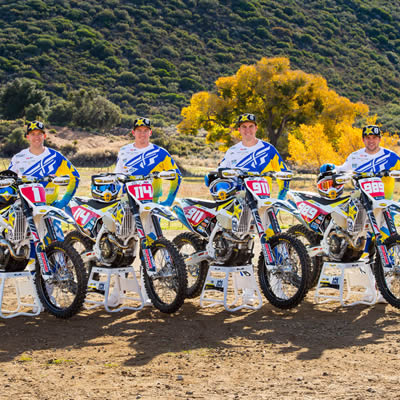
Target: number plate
[
  {"x": 259, "y": 187},
  {"x": 34, "y": 193},
  {"x": 142, "y": 190},
  {"x": 374, "y": 187}
]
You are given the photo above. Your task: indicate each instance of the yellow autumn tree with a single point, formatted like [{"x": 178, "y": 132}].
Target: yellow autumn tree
[
  {"x": 282, "y": 99},
  {"x": 310, "y": 147}
]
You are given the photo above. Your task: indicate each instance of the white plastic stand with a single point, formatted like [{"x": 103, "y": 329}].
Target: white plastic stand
[
  {"x": 124, "y": 281},
  {"x": 345, "y": 281},
  {"x": 215, "y": 289},
  {"x": 24, "y": 286}
]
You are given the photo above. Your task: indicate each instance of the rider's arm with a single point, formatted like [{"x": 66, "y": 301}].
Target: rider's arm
[
  {"x": 167, "y": 164},
  {"x": 66, "y": 168},
  {"x": 277, "y": 164},
  {"x": 119, "y": 168},
  {"x": 346, "y": 166}
]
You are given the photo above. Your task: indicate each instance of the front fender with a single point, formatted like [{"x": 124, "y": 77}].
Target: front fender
[
  {"x": 394, "y": 207},
  {"x": 283, "y": 205},
  {"x": 157, "y": 210},
  {"x": 54, "y": 213}
]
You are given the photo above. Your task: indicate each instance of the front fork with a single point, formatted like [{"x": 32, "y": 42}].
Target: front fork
[
  {"x": 147, "y": 256},
  {"x": 269, "y": 258},
  {"x": 382, "y": 250},
  {"x": 37, "y": 243}
]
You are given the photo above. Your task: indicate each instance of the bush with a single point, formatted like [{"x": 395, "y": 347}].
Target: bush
[{"x": 14, "y": 143}]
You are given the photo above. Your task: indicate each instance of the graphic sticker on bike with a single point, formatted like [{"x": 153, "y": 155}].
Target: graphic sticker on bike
[
  {"x": 83, "y": 215},
  {"x": 310, "y": 212},
  {"x": 196, "y": 215}
]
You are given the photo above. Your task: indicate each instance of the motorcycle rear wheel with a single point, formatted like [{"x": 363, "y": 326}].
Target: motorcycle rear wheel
[
  {"x": 286, "y": 283},
  {"x": 388, "y": 279},
  {"x": 189, "y": 243},
  {"x": 309, "y": 239},
  {"x": 63, "y": 294},
  {"x": 168, "y": 287}
]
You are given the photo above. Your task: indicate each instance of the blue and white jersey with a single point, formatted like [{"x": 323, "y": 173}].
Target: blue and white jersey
[
  {"x": 134, "y": 161},
  {"x": 50, "y": 162},
  {"x": 262, "y": 157},
  {"x": 384, "y": 159}
]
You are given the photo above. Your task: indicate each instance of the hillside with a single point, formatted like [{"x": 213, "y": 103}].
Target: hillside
[{"x": 150, "y": 56}]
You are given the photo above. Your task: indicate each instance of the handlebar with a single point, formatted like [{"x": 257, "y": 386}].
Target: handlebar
[
  {"x": 112, "y": 177},
  {"x": 240, "y": 173},
  {"x": 11, "y": 179}
]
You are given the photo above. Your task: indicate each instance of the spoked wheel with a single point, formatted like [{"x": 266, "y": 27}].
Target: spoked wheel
[
  {"x": 64, "y": 293},
  {"x": 81, "y": 244},
  {"x": 309, "y": 239},
  {"x": 167, "y": 287},
  {"x": 188, "y": 243},
  {"x": 286, "y": 283},
  {"x": 388, "y": 279}
]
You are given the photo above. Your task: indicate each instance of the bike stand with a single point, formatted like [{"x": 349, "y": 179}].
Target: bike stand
[
  {"x": 216, "y": 286},
  {"x": 24, "y": 286},
  {"x": 124, "y": 281},
  {"x": 352, "y": 279}
]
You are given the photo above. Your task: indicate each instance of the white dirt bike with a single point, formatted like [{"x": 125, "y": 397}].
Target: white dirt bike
[
  {"x": 222, "y": 232},
  {"x": 25, "y": 221},
  {"x": 350, "y": 228},
  {"x": 113, "y": 232}
]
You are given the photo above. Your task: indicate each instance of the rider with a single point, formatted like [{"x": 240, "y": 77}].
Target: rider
[
  {"x": 373, "y": 158},
  {"x": 40, "y": 161},
  {"x": 143, "y": 157},
  {"x": 254, "y": 154}
]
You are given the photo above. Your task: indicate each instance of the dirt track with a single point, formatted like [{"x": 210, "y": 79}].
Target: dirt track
[{"x": 311, "y": 352}]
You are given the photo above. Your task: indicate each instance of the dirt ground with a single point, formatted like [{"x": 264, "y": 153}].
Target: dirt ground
[{"x": 310, "y": 352}]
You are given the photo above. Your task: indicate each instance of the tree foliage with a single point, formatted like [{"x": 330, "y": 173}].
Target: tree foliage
[
  {"x": 281, "y": 98},
  {"x": 86, "y": 109},
  {"x": 22, "y": 98},
  {"x": 188, "y": 44},
  {"x": 310, "y": 146}
]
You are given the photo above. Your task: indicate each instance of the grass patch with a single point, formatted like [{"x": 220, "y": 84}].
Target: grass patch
[
  {"x": 24, "y": 358},
  {"x": 111, "y": 365},
  {"x": 59, "y": 361}
]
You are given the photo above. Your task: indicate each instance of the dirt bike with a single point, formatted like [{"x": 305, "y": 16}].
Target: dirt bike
[
  {"x": 222, "y": 232},
  {"x": 26, "y": 222},
  {"x": 351, "y": 227},
  {"x": 112, "y": 232}
]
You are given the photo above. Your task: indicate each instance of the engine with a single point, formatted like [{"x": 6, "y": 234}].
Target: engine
[
  {"x": 343, "y": 248},
  {"x": 231, "y": 251}
]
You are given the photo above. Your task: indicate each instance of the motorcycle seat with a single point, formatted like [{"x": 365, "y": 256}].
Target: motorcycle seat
[
  {"x": 205, "y": 203},
  {"x": 97, "y": 205},
  {"x": 323, "y": 200}
]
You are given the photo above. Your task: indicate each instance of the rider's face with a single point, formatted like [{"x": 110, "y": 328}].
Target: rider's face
[
  {"x": 142, "y": 136},
  {"x": 371, "y": 143},
  {"x": 36, "y": 138},
  {"x": 248, "y": 131}
]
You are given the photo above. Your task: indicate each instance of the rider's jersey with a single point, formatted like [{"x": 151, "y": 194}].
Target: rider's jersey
[
  {"x": 134, "y": 161},
  {"x": 384, "y": 159},
  {"x": 50, "y": 162},
  {"x": 261, "y": 157}
]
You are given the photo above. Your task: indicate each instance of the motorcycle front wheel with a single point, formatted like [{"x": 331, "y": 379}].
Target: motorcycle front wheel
[
  {"x": 63, "y": 294},
  {"x": 168, "y": 286},
  {"x": 286, "y": 283},
  {"x": 388, "y": 279},
  {"x": 189, "y": 243}
]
